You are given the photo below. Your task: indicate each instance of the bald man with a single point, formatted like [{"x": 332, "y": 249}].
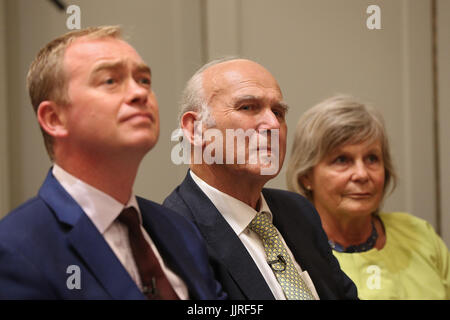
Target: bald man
[{"x": 263, "y": 243}]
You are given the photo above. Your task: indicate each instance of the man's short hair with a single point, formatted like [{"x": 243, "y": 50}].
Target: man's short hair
[
  {"x": 193, "y": 97},
  {"x": 47, "y": 79}
]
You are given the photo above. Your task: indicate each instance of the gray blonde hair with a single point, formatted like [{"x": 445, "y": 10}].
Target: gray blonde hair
[
  {"x": 334, "y": 122},
  {"x": 47, "y": 79},
  {"x": 193, "y": 97}
]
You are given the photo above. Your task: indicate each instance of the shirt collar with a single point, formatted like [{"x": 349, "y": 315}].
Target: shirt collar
[
  {"x": 101, "y": 208},
  {"x": 237, "y": 213}
]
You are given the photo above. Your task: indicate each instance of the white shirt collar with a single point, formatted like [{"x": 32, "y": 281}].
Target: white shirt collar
[
  {"x": 101, "y": 208},
  {"x": 237, "y": 213}
]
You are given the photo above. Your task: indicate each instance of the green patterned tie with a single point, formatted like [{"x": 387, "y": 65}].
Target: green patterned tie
[{"x": 293, "y": 285}]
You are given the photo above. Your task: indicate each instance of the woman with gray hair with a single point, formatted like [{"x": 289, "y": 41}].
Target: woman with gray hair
[{"x": 341, "y": 162}]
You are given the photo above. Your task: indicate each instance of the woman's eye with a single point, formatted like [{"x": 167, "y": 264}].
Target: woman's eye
[
  {"x": 341, "y": 160},
  {"x": 372, "y": 158}
]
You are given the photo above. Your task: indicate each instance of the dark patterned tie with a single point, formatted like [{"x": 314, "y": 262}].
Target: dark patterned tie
[{"x": 154, "y": 281}]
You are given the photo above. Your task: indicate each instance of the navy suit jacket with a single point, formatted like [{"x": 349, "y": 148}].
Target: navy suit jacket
[
  {"x": 297, "y": 221},
  {"x": 43, "y": 237}
]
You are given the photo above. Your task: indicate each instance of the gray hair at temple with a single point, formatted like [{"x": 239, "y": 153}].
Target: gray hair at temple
[
  {"x": 334, "y": 122},
  {"x": 193, "y": 97}
]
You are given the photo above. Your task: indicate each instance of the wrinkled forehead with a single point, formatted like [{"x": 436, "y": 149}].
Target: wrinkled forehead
[
  {"x": 231, "y": 76},
  {"x": 87, "y": 51}
]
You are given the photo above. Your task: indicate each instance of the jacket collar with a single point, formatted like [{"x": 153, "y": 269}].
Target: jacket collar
[
  {"x": 224, "y": 242},
  {"x": 87, "y": 241}
]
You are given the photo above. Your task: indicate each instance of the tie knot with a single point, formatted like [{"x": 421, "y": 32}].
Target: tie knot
[
  {"x": 262, "y": 225},
  {"x": 129, "y": 217}
]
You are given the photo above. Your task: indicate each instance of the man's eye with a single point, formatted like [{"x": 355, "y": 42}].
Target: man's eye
[
  {"x": 246, "y": 107},
  {"x": 110, "y": 81},
  {"x": 146, "y": 81},
  {"x": 279, "y": 113}
]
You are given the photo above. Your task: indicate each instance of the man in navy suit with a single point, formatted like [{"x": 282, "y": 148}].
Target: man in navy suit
[
  {"x": 234, "y": 101},
  {"x": 93, "y": 97}
]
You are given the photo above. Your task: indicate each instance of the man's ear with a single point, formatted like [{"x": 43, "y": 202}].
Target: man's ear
[
  {"x": 192, "y": 128},
  {"x": 52, "y": 118}
]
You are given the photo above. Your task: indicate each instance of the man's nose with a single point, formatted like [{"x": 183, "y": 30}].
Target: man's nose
[
  {"x": 269, "y": 120},
  {"x": 137, "y": 93}
]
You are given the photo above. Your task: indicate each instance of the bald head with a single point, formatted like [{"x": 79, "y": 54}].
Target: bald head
[
  {"x": 219, "y": 79},
  {"x": 210, "y": 79},
  {"x": 239, "y": 96}
]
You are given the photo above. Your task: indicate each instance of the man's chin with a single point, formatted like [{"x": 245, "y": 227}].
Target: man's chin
[
  {"x": 142, "y": 144},
  {"x": 267, "y": 172}
]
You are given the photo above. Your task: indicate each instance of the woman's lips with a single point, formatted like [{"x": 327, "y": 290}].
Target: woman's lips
[{"x": 358, "y": 195}]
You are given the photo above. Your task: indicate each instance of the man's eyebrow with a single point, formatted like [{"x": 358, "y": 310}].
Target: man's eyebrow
[
  {"x": 142, "y": 67},
  {"x": 110, "y": 65},
  {"x": 283, "y": 105},
  {"x": 107, "y": 65},
  {"x": 245, "y": 98},
  {"x": 250, "y": 97}
]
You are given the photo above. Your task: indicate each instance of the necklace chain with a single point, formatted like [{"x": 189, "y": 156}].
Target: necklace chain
[{"x": 365, "y": 246}]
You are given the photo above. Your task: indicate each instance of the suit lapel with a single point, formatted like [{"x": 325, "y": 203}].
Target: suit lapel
[
  {"x": 224, "y": 242},
  {"x": 158, "y": 228},
  {"x": 292, "y": 227},
  {"x": 102, "y": 261},
  {"x": 87, "y": 241}
]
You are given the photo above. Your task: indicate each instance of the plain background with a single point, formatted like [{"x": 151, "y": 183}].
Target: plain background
[{"x": 315, "y": 48}]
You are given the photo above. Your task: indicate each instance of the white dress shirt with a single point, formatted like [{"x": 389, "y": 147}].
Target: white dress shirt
[
  {"x": 239, "y": 215},
  {"x": 103, "y": 211}
]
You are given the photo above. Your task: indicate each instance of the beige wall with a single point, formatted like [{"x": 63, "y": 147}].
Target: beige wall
[
  {"x": 444, "y": 112},
  {"x": 26, "y": 31},
  {"x": 4, "y": 138},
  {"x": 315, "y": 49}
]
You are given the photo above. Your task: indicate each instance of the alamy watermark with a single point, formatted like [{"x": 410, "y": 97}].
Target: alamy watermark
[
  {"x": 374, "y": 20},
  {"x": 74, "y": 280},
  {"x": 236, "y": 146},
  {"x": 73, "y": 22},
  {"x": 374, "y": 279}
]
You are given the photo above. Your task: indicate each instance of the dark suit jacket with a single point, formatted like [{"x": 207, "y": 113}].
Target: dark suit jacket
[
  {"x": 297, "y": 221},
  {"x": 44, "y": 236}
]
